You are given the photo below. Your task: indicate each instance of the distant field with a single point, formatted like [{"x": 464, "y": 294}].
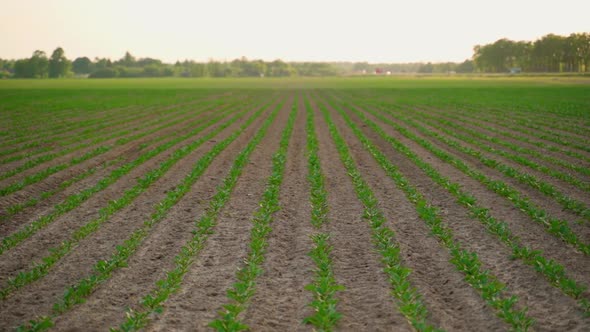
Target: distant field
[
  {"x": 361, "y": 204},
  {"x": 409, "y": 81}
]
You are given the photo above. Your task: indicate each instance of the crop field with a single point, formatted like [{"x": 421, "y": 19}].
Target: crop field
[{"x": 347, "y": 204}]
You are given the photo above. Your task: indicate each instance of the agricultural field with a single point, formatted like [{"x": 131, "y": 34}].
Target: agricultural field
[{"x": 347, "y": 204}]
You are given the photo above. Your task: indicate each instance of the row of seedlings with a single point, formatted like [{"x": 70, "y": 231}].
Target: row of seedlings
[
  {"x": 74, "y": 200},
  {"x": 40, "y": 269},
  {"x": 48, "y": 143},
  {"x": 519, "y": 148},
  {"x": 525, "y": 139},
  {"x": 478, "y": 138},
  {"x": 103, "y": 269},
  {"x": 41, "y": 175},
  {"x": 48, "y": 129},
  {"x": 17, "y": 207},
  {"x": 539, "y": 132},
  {"x": 48, "y": 157},
  {"x": 13, "y": 209},
  {"x": 408, "y": 299},
  {"x": 245, "y": 286},
  {"x": 467, "y": 262},
  {"x": 554, "y": 272},
  {"x": 568, "y": 203},
  {"x": 324, "y": 286},
  {"x": 153, "y": 302},
  {"x": 557, "y": 227}
]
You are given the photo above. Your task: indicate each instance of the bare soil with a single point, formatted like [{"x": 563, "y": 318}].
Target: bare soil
[{"x": 280, "y": 301}]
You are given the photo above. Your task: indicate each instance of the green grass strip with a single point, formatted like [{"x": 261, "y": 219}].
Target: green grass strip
[
  {"x": 409, "y": 300},
  {"x": 315, "y": 177},
  {"x": 554, "y": 226},
  {"x": 245, "y": 287},
  {"x": 553, "y": 271},
  {"x": 103, "y": 269},
  {"x": 74, "y": 200},
  {"x": 153, "y": 302},
  {"x": 324, "y": 286}
]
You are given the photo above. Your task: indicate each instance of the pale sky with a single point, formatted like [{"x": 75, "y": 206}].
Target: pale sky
[{"x": 302, "y": 30}]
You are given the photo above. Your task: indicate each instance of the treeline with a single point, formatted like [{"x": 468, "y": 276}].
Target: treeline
[
  {"x": 466, "y": 66},
  {"x": 551, "y": 53},
  {"x": 40, "y": 66},
  {"x": 37, "y": 66}
]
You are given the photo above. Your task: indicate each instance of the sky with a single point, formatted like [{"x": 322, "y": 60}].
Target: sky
[{"x": 291, "y": 30}]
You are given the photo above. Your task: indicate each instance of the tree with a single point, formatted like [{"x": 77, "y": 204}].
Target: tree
[
  {"x": 34, "y": 67},
  {"x": 82, "y": 66},
  {"x": 102, "y": 63},
  {"x": 278, "y": 68},
  {"x": 466, "y": 66},
  {"x": 427, "y": 68},
  {"x": 548, "y": 53},
  {"x": 59, "y": 65},
  {"x": 128, "y": 60}
]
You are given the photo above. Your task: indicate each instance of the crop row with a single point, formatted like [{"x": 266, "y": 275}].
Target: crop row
[
  {"x": 245, "y": 286},
  {"x": 525, "y": 139},
  {"x": 465, "y": 261},
  {"x": 51, "y": 156},
  {"x": 153, "y": 302},
  {"x": 55, "y": 128},
  {"x": 13, "y": 209},
  {"x": 532, "y": 181},
  {"x": 71, "y": 136},
  {"x": 100, "y": 150},
  {"x": 537, "y": 131},
  {"x": 554, "y": 226},
  {"x": 103, "y": 269},
  {"x": 409, "y": 300},
  {"x": 520, "y": 150},
  {"x": 324, "y": 286},
  {"x": 523, "y": 149},
  {"x": 73, "y": 201},
  {"x": 555, "y": 273}
]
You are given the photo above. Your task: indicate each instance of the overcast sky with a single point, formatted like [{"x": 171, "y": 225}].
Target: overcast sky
[{"x": 313, "y": 30}]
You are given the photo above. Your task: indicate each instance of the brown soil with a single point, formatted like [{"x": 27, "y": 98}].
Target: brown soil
[
  {"x": 213, "y": 272},
  {"x": 280, "y": 301},
  {"x": 366, "y": 303},
  {"x": 572, "y": 160},
  {"x": 134, "y": 118},
  {"x": 556, "y": 154},
  {"x": 536, "y": 197},
  {"x": 551, "y": 308},
  {"x": 156, "y": 257},
  {"x": 454, "y": 305},
  {"x": 37, "y": 245},
  {"x": 127, "y": 151}
]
